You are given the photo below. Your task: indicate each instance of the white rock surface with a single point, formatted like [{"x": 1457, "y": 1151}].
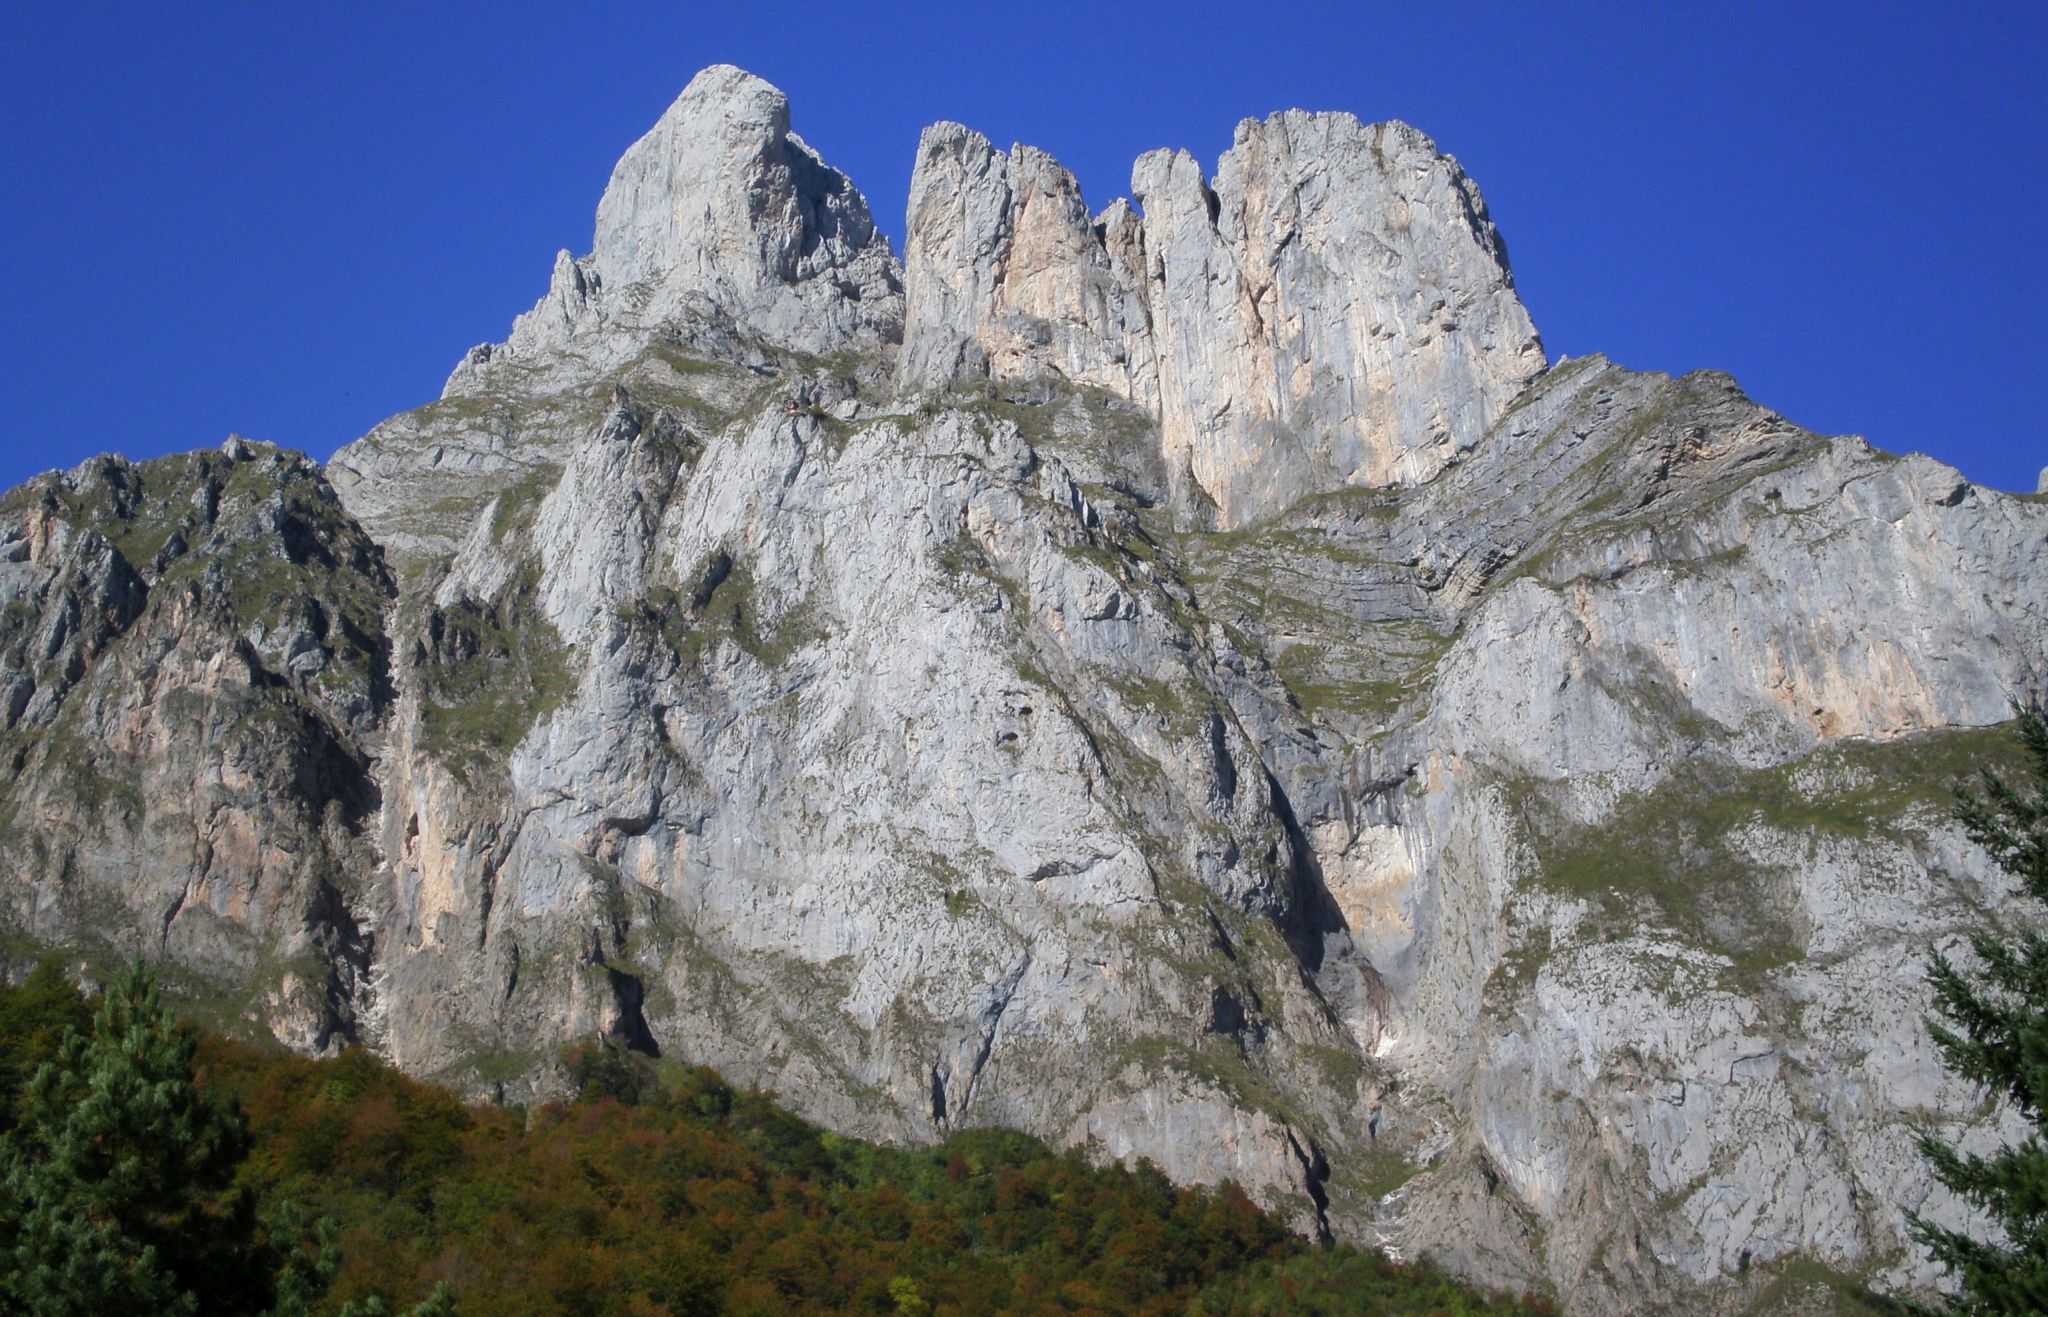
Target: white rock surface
[
  {"x": 720, "y": 218},
  {"x": 1334, "y": 309},
  {"x": 1006, "y": 275}
]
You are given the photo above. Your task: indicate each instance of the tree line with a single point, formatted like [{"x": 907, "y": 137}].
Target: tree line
[{"x": 147, "y": 1168}]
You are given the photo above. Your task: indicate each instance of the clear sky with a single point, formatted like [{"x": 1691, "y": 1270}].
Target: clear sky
[{"x": 291, "y": 220}]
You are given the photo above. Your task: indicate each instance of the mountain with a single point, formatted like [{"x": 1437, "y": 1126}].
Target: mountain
[{"x": 1194, "y": 681}]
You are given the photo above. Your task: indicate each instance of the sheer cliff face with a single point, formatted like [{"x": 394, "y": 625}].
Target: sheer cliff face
[
  {"x": 1179, "y": 682},
  {"x": 1333, "y": 309}
]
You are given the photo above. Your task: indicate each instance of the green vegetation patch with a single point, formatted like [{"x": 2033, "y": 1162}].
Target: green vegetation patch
[
  {"x": 1382, "y": 667},
  {"x": 1798, "y": 1283},
  {"x": 518, "y": 504},
  {"x": 1671, "y": 847},
  {"x": 732, "y": 611},
  {"x": 491, "y": 672},
  {"x": 1345, "y": 1282},
  {"x": 703, "y": 393},
  {"x": 1183, "y": 705},
  {"x": 464, "y": 409},
  {"x": 1297, "y": 586},
  {"x": 961, "y": 557}
]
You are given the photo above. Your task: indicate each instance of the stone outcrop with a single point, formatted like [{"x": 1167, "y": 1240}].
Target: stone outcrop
[
  {"x": 1006, "y": 274},
  {"x": 722, "y": 220},
  {"x": 195, "y": 671},
  {"x": 1192, "y": 684},
  {"x": 1333, "y": 309}
]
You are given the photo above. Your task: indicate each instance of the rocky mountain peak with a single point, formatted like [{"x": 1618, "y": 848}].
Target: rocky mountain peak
[
  {"x": 722, "y": 219},
  {"x": 1333, "y": 309},
  {"x": 1007, "y": 276},
  {"x": 721, "y": 201}
]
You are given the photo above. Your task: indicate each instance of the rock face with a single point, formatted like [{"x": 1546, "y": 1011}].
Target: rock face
[
  {"x": 1006, "y": 274},
  {"x": 195, "y": 670},
  {"x": 1334, "y": 310},
  {"x": 722, "y": 217},
  {"x": 1193, "y": 684}
]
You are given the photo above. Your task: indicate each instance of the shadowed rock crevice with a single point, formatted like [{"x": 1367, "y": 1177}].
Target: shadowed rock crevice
[{"x": 1313, "y": 918}]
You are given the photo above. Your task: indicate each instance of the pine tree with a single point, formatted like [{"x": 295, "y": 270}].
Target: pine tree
[
  {"x": 441, "y": 1303},
  {"x": 35, "y": 1017},
  {"x": 116, "y": 1190},
  {"x": 1994, "y": 1030}
]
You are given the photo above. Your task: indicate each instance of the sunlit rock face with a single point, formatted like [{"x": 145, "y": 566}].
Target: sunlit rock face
[
  {"x": 1192, "y": 682},
  {"x": 1333, "y": 308},
  {"x": 720, "y": 226}
]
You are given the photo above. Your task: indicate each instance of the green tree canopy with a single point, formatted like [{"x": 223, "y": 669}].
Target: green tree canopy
[
  {"x": 116, "y": 1188},
  {"x": 1994, "y": 1030},
  {"x": 34, "y": 1021}
]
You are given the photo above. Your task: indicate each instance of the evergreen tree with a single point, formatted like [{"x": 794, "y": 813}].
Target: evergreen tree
[
  {"x": 1994, "y": 1030},
  {"x": 116, "y": 1190},
  {"x": 441, "y": 1303},
  {"x": 34, "y": 1020}
]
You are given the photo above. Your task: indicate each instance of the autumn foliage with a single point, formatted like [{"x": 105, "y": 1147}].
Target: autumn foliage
[{"x": 682, "y": 1194}]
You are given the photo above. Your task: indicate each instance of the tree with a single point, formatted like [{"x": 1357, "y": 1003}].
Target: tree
[
  {"x": 441, "y": 1303},
  {"x": 1994, "y": 1030},
  {"x": 117, "y": 1189},
  {"x": 34, "y": 1020}
]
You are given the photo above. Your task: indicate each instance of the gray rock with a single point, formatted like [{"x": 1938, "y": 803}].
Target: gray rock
[
  {"x": 1336, "y": 310},
  {"x": 720, "y": 216},
  {"x": 1005, "y": 274}
]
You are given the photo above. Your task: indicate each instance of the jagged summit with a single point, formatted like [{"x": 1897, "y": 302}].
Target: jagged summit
[
  {"x": 1333, "y": 309},
  {"x": 720, "y": 201},
  {"x": 721, "y": 219}
]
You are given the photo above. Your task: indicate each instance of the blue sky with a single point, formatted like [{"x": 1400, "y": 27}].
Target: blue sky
[{"x": 290, "y": 221}]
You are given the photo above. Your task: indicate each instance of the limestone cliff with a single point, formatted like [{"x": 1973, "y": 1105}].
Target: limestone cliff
[
  {"x": 1193, "y": 682},
  {"x": 720, "y": 223},
  {"x": 1333, "y": 309}
]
